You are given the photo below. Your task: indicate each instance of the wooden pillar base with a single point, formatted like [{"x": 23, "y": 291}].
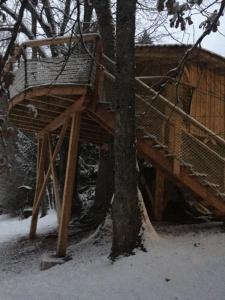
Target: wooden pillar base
[
  {"x": 41, "y": 162},
  {"x": 68, "y": 185}
]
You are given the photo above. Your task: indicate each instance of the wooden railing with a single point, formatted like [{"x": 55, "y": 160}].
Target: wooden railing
[
  {"x": 184, "y": 140},
  {"x": 75, "y": 63}
]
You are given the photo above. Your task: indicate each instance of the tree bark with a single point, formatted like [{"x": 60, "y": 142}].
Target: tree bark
[
  {"x": 104, "y": 188},
  {"x": 105, "y": 177},
  {"x": 106, "y": 26},
  {"x": 126, "y": 213},
  {"x": 88, "y": 11}
]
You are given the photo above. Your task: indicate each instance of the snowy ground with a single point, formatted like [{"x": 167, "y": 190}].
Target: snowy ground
[
  {"x": 187, "y": 263},
  {"x": 13, "y": 228}
]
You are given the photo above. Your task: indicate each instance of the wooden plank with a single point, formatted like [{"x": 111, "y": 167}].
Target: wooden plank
[
  {"x": 38, "y": 91},
  {"x": 23, "y": 111},
  {"x": 29, "y": 116},
  {"x": 33, "y": 121},
  {"x": 68, "y": 98},
  {"x": 42, "y": 105},
  {"x": 68, "y": 185},
  {"x": 88, "y": 37},
  {"x": 53, "y": 102},
  {"x": 28, "y": 127},
  {"x": 41, "y": 110}
]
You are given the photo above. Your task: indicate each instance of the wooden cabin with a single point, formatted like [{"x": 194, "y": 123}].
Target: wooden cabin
[{"x": 201, "y": 89}]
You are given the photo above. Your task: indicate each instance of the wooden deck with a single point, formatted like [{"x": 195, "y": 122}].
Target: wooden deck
[{"x": 170, "y": 139}]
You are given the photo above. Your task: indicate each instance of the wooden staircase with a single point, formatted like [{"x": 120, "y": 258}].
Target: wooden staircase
[{"x": 187, "y": 152}]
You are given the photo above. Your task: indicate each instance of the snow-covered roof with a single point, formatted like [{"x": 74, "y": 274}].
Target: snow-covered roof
[{"x": 175, "y": 51}]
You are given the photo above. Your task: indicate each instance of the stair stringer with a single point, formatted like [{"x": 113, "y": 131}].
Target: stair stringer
[{"x": 215, "y": 203}]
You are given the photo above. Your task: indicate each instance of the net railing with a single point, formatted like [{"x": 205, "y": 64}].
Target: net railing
[
  {"x": 187, "y": 141},
  {"x": 183, "y": 137},
  {"x": 75, "y": 66}
]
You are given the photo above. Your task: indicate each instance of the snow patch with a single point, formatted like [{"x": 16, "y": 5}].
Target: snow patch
[{"x": 14, "y": 228}]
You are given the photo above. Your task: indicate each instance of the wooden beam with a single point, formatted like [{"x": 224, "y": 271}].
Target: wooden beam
[
  {"x": 42, "y": 147},
  {"x": 28, "y": 128},
  {"x": 41, "y": 189},
  {"x": 88, "y": 37},
  {"x": 41, "y": 105},
  {"x": 27, "y": 121},
  {"x": 54, "y": 180},
  {"x": 104, "y": 118},
  {"x": 69, "y": 98},
  {"x": 29, "y": 117},
  {"x": 183, "y": 179},
  {"x": 68, "y": 185},
  {"x": 51, "y": 101},
  {"x": 64, "y": 90},
  {"x": 57, "y": 122},
  {"x": 20, "y": 111}
]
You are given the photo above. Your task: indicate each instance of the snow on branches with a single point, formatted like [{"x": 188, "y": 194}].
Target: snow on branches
[
  {"x": 209, "y": 21},
  {"x": 181, "y": 16}
]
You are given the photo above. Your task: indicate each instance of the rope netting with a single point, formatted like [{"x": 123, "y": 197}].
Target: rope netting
[{"x": 73, "y": 65}]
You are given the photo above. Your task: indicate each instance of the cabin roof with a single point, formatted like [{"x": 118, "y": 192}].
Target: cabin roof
[{"x": 171, "y": 53}]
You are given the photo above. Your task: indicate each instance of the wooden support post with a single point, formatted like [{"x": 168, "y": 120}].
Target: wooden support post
[
  {"x": 41, "y": 162},
  {"x": 68, "y": 185},
  {"x": 42, "y": 178},
  {"x": 159, "y": 201},
  {"x": 55, "y": 181}
]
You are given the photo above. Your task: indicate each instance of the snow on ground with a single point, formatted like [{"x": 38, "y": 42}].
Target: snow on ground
[
  {"x": 13, "y": 228},
  {"x": 187, "y": 263}
]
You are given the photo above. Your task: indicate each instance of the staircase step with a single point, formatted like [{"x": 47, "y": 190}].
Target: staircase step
[
  {"x": 187, "y": 165},
  {"x": 140, "y": 128},
  {"x": 210, "y": 184},
  {"x": 170, "y": 155},
  {"x": 104, "y": 102},
  {"x": 140, "y": 115},
  {"x": 159, "y": 146},
  {"x": 197, "y": 174},
  {"x": 150, "y": 137},
  {"x": 220, "y": 194}
]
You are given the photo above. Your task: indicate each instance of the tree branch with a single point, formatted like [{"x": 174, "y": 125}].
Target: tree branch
[{"x": 65, "y": 17}]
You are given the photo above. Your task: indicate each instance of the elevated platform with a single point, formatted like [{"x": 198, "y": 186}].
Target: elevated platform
[
  {"x": 67, "y": 104},
  {"x": 48, "y": 90}
]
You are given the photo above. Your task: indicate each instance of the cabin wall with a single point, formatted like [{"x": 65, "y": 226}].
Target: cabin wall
[
  {"x": 208, "y": 98},
  {"x": 202, "y": 95}
]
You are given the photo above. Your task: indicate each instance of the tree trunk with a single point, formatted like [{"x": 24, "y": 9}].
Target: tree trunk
[
  {"x": 126, "y": 214},
  {"x": 106, "y": 26},
  {"x": 88, "y": 11},
  {"x": 104, "y": 187},
  {"x": 105, "y": 177}
]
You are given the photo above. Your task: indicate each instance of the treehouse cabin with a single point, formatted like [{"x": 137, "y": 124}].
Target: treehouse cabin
[
  {"x": 59, "y": 91},
  {"x": 200, "y": 91}
]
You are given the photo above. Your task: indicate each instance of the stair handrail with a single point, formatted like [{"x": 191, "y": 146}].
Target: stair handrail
[{"x": 175, "y": 108}]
